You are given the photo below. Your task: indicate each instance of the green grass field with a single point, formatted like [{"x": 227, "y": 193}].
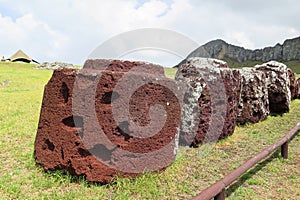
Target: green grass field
[
  {"x": 293, "y": 65},
  {"x": 21, "y": 90}
]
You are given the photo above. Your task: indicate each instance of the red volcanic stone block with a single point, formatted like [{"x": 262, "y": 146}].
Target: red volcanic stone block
[
  {"x": 254, "y": 102},
  {"x": 232, "y": 83},
  {"x": 293, "y": 84},
  {"x": 278, "y": 83},
  {"x": 298, "y": 86},
  {"x": 110, "y": 118},
  {"x": 210, "y": 102}
]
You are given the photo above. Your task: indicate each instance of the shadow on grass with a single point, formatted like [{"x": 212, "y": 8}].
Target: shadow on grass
[
  {"x": 62, "y": 176},
  {"x": 233, "y": 187}
]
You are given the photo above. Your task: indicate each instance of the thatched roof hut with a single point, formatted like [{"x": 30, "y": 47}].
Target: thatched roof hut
[{"x": 22, "y": 57}]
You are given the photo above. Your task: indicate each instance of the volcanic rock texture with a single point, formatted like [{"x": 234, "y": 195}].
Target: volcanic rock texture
[
  {"x": 254, "y": 102},
  {"x": 210, "y": 105},
  {"x": 110, "y": 118},
  {"x": 298, "y": 85},
  {"x": 293, "y": 84},
  {"x": 278, "y": 83}
]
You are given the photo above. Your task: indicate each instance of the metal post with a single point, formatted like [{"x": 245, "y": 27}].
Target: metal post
[
  {"x": 221, "y": 195},
  {"x": 285, "y": 150}
]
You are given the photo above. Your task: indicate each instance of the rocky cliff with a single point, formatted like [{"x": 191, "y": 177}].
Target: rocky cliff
[{"x": 289, "y": 50}]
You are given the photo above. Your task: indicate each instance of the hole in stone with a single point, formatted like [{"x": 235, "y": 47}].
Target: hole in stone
[
  {"x": 123, "y": 129},
  {"x": 70, "y": 167},
  {"x": 64, "y": 90},
  {"x": 77, "y": 143},
  {"x": 109, "y": 97},
  {"x": 50, "y": 145},
  {"x": 257, "y": 114},
  {"x": 73, "y": 121},
  {"x": 100, "y": 151},
  {"x": 62, "y": 154},
  {"x": 83, "y": 152}
]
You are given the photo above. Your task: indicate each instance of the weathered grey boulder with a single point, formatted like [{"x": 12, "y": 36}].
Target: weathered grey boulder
[
  {"x": 254, "y": 102},
  {"x": 278, "y": 83},
  {"x": 210, "y": 102},
  {"x": 54, "y": 65}
]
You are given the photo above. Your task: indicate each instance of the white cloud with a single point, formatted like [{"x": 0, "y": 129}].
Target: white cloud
[
  {"x": 111, "y": 17},
  {"x": 69, "y": 30},
  {"x": 153, "y": 8},
  {"x": 239, "y": 38},
  {"x": 33, "y": 36}
]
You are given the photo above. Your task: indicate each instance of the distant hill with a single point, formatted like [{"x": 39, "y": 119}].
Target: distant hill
[{"x": 288, "y": 51}]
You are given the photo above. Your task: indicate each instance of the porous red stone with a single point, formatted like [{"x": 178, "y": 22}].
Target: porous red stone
[
  {"x": 298, "y": 88},
  {"x": 293, "y": 84},
  {"x": 254, "y": 102},
  {"x": 78, "y": 130},
  {"x": 232, "y": 83},
  {"x": 278, "y": 83},
  {"x": 211, "y": 100},
  {"x": 298, "y": 85}
]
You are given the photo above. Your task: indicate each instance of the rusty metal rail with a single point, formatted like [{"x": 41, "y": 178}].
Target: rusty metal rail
[{"x": 218, "y": 190}]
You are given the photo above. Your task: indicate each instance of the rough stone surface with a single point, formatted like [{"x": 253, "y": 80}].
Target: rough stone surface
[
  {"x": 54, "y": 65},
  {"x": 69, "y": 138},
  {"x": 232, "y": 83},
  {"x": 5, "y": 83},
  {"x": 293, "y": 84},
  {"x": 298, "y": 85},
  {"x": 278, "y": 83},
  {"x": 254, "y": 102},
  {"x": 210, "y": 110}
]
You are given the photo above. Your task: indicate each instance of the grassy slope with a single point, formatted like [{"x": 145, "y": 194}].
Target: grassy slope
[
  {"x": 20, "y": 178},
  {"x": 294, "y": 65}
]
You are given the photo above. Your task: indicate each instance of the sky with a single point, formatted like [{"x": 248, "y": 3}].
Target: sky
[{"x": 69, "y": 30}]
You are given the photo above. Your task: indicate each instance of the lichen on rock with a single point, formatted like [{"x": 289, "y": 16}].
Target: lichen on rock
[
  {"x": 254, "y": 102},
  {"x": 278, "y": 83},
  {"x": 213, "y": 102}
]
